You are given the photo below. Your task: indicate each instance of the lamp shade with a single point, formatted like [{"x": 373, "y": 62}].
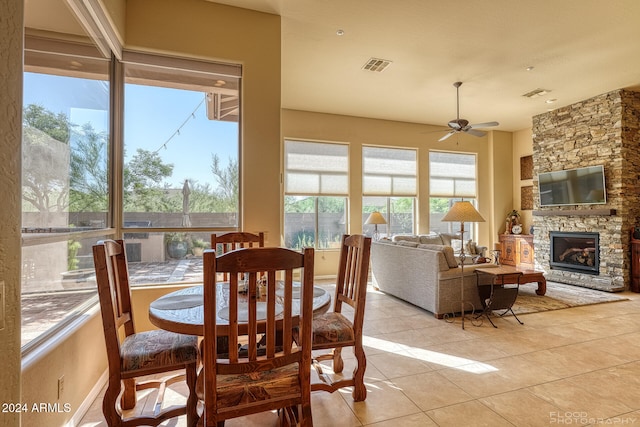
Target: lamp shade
[
  {"x": 463, "y": 212},
  {"x": 375, "y": 218}
]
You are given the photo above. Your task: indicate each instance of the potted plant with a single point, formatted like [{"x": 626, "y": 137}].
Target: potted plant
[
  {"x": 176, "y": 244},
  {"x": 198, "y": 247}
]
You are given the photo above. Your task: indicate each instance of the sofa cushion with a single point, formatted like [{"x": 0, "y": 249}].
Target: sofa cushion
[
  {"x": 407, "y": 243},
  {"x": 431, "y": 239},
  {"x": 443, "y": 263},
  {"x": 450, "y": 256},
  {"x": 405, "y": 237}
]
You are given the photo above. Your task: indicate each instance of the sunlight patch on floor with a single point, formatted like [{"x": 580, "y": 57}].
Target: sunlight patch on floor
[{"x": 443, "y": 359}]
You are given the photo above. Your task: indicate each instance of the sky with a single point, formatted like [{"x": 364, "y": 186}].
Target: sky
[{"x": 170, "y": 121}]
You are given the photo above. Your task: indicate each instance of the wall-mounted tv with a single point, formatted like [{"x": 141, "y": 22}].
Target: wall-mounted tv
[{"x": 581, "y": 186}]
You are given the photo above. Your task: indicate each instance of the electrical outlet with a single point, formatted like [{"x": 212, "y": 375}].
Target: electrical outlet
[
  {"x": 60, "y": 386},
  {"x": 2, "y": 298}
]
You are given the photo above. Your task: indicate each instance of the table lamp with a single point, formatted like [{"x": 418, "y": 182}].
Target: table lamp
[
  {"x": 376, "y": 218},
  {"x": 463, "y": 212}
]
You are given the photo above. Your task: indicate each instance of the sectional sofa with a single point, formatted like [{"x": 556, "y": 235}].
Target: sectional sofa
[{"x": 424, "y": 274}]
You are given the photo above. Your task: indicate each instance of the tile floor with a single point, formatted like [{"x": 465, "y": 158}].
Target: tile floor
[{"x": 577, "y": 366}]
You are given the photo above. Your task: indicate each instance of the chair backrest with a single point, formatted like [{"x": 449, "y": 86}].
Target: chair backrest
[
  {"x": 353, "y": 273},
  {"x": 112, "y": 277},
  {"x": 236, "y": 240},
  {"x": 227, "y": 242},
  {"x": 281, "y": 308}
]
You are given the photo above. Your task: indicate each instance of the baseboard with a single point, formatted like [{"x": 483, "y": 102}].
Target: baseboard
[{"x": 88, "y": 401}]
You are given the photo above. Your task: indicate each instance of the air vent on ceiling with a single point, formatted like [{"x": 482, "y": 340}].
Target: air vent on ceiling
[
  {"x": 537, "y": 92},
  {"x": 376, "y": 64}
]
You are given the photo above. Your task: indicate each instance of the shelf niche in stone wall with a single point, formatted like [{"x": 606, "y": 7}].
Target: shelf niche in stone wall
[{"x": 576, "y": 212}]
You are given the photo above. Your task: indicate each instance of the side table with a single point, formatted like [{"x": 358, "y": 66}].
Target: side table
[{"x": 498, "y": 290}]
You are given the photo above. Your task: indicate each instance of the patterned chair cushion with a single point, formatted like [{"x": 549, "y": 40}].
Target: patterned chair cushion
[
  {"x": 332, "y": 327},
  {"x": 157, "y": 348},
  {"x": 254, "y": 386}
]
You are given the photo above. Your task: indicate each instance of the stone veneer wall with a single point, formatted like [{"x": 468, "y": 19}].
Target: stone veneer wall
[{"x": 603, "y": 130}]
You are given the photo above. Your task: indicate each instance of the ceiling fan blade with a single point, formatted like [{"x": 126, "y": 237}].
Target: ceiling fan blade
[
  {"x": 475, "y": 132},
  {"x": 447, "y": 136},
  {"x": 484, "y": 125}
]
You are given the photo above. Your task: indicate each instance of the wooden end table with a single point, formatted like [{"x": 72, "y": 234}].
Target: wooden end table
[{"x": 496, "y": 290}]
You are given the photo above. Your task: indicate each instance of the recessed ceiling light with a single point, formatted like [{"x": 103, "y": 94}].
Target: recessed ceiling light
[
  {"x": 529, "y": 68},
  {"x": 550, "y": 101},
  {"x": 340, "y": 32}
]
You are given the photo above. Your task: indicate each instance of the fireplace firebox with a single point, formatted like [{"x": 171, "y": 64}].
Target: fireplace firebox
[{"x": 575, "y": 251}]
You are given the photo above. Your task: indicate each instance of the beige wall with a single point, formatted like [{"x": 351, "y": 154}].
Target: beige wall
[{"x": 11, "y": 36}]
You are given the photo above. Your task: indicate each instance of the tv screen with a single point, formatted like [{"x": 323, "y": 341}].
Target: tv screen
[{"x": 581, "y": 186}]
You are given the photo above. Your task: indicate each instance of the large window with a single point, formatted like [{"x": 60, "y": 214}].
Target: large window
[
  {"x": 389, "y": 186},
  {"x": 452, "y": 177},
  {"x": 164, "y": 180},
  {"x": 316, "y": 182},
  {"x": 181, "y": 163},
  {"x": 65, "y": 176}
]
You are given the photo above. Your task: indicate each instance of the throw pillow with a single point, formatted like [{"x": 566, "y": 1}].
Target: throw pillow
[
  {"x": 449, "y": 238},
  {"x": 450, "y": 256},
  {"x": 469, "y": 248},
  {"x": 472, "y": 247}
]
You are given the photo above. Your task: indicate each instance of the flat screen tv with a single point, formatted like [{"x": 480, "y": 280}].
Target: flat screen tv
[{"x": 581, "y": 186}]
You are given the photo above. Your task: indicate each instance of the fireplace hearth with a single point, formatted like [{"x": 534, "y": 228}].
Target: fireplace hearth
[{"x": 575, "y": 251}]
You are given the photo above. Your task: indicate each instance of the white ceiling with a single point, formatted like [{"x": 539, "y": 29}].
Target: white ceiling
[{"x": 578, "y": 48}]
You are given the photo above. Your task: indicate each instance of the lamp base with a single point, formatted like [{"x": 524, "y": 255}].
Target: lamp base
[{"x": 468, "y": 312}]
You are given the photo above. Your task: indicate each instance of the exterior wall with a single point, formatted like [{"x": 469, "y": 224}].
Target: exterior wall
[
  {"x": 603, "y": 130},
  {"x": 11, "y": 39}
]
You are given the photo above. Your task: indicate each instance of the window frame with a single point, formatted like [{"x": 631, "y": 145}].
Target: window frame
[
  {"x": 113, "y": 226},
  {"x": 471, "y": 197},
  {"x": 343, "y": 193}
]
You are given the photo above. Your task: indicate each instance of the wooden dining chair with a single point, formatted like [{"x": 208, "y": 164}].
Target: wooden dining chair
[
  {"x": 272, "y": 372},
  {"x": 226, "y": 242},
  {"x": 333, "y": 330},
  {"x": 131, "y": 355}
]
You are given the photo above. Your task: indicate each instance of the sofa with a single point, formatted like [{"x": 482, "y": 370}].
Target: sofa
[{"x": 423, "y": 274}]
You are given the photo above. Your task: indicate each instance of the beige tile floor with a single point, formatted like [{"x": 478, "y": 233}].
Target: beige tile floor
[{"x": 578, "y": 366}]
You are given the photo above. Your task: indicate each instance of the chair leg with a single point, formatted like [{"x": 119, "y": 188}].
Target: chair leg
[
  {"x": 111, "y": 415},
  {"x": 359, "y": 389},
  {"x": 338, "y": 364},
  {"x": 192, "y": 399},
  {"x": 129, "y": 395}
]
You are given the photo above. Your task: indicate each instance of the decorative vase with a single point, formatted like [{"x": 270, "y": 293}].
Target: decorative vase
[{"x": 177, "y": 250}]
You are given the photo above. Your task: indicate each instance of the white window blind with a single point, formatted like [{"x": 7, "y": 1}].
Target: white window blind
[
  {"x": 452, "y": 174},
  {"x": 314, "y": 168},
  {"x": 389, "y": 172}
]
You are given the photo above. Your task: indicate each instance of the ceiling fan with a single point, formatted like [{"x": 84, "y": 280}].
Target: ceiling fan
[{"x": 462, "y": 125}]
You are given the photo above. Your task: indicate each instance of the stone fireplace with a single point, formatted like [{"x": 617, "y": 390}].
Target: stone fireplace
[{"x": 604, "y": 130}]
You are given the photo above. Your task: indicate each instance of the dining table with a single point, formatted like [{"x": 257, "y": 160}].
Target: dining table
[{"x": 182, "y": 311}]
